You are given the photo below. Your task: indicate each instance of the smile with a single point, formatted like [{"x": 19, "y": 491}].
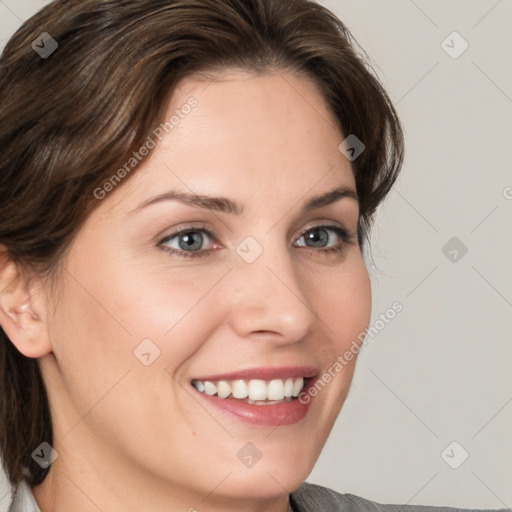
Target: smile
[
  {"x": 254, "y": 391},
  {"x": 259, "y": 396}
]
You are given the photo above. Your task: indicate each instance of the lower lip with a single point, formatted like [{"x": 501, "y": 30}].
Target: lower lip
[{"x": 285, "y": 413}]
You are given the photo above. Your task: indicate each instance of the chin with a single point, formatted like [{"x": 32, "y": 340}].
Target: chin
[
  {"x": 280, "y": 469},
  {"x": 264, "y": 483}
]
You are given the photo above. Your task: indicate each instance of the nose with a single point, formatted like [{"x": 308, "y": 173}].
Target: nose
[{"x": 269, "y": 299}]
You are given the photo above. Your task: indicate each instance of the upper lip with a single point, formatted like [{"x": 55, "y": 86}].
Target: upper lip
[{"x": 264, "y": 373}]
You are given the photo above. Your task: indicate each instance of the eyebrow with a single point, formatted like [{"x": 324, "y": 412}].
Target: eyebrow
[{"x": 225, "y": 205}]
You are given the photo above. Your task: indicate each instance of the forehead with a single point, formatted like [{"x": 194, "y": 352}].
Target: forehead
[{"x": 252, "y": 134}]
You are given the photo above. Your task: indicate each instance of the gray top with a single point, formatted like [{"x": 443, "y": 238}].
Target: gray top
[
  {"x": 307, "y": 498},
  {"x": 314, "y": 498}
]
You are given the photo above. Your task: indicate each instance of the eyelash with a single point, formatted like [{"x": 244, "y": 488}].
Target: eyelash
[{"x": 346, "y": 237}]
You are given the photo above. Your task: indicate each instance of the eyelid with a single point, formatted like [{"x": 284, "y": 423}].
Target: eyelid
[
  {"x": 203, "y": 227},
  {"x": 347, "y": 237},
  {"x": 188, "y": 228},
  {"x": 320, "y": 223}
]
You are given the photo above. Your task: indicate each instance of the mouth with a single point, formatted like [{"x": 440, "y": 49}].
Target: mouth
[
  {"x": 254, "y": 391},
  {"x": 266, "y": 396}
]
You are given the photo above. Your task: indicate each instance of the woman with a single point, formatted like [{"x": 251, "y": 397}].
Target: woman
[{"x": 187, "y": 190}]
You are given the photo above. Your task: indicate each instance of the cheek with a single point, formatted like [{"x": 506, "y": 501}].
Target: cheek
[
  {"x": 125, "y": 303},
  {"x": 99, "y": 324},
  {"x": 343, "y": 303}
]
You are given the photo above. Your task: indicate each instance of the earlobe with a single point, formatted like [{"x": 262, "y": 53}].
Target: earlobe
[{"x": 22, "y": 309}]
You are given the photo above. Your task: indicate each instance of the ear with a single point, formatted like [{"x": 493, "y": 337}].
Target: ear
[{"x": 23, "y": 310}]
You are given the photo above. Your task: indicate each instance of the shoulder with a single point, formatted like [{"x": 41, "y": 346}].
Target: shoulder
[{"x": 315, "y": 498}]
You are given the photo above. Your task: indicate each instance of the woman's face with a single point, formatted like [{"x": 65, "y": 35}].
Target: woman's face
[{"x": 271, "y": 295}]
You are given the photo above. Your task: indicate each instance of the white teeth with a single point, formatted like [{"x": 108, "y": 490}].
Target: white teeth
[
  {"x": 288, "y": 388},
  {"x": 210, "y": 388},
  {"x": 298, "y": 384},
  {"x": 239, "y": 388},
  {"x": 199, "y": 385},
  {"x": 275, "y": 389},
  {"x": 223, "y": 389},
  {"x": 256, "y": 391}
]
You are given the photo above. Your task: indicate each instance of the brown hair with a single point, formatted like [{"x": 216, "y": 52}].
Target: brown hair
[{"x": 69, "y": 120}]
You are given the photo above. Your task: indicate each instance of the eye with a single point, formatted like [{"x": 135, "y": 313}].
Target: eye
[
  {"x": 187, "y": 242},
  {"x": 323, "y": 238}
]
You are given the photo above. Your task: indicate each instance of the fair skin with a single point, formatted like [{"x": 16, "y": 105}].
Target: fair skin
[{"x": 140, "y": 438}]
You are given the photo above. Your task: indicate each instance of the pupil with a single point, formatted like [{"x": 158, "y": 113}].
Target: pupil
[
  {"x": 189, "y": 242},
  {"x": 318, "y": 235}
]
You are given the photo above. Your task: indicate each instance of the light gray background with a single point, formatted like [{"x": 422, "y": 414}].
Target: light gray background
[{"x": 441, "y": 370}]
